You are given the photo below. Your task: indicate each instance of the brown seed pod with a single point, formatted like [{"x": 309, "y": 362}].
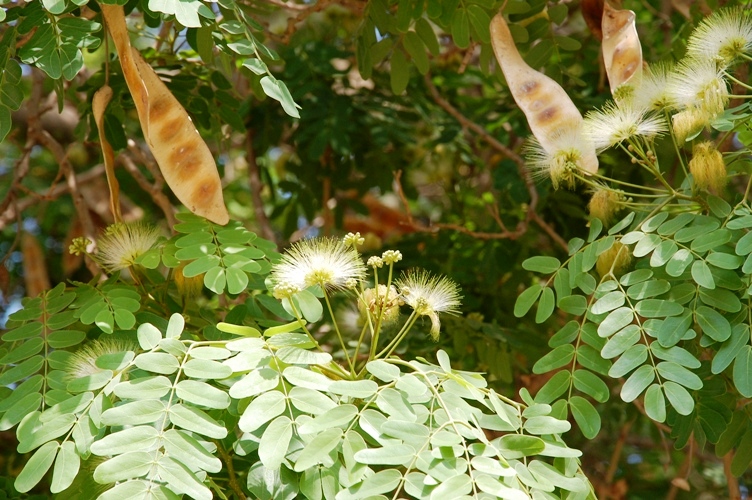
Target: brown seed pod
[
  {"x": 99, "y": 104},
  {"x": 182, "y": 155},
  {"x": 622, "y": 53},
  {"x": 36, "y": 278},
  {"x": 547, "y": 107}
]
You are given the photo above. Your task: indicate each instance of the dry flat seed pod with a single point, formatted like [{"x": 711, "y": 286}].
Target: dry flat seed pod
[
  {"x": 99, "y": 104},
  {"x": 182, "y": 155},
  {"x": 35, "y": 269},
  {"x": 622, "y": 53},
  {"x": 547, "y": 107}
]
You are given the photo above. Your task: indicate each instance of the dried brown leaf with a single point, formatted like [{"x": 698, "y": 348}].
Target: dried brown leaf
[{"x": 592, "y": 12}]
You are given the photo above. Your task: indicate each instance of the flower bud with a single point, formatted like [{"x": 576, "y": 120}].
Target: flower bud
[
  {"x": 616, "y": 260},
  {"x": 604, "y": 204},
  {"x": 688, "y": 122},
  {"x": 373, "y": 302},
  {"x": 188, "y": 288},
  {"x": 707, "y": 167}
]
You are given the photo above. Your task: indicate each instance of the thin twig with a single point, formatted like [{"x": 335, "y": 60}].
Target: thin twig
[
  {"x": 16, "y": 240},
  {"x": 20, "y": 170},
  {"x": 21, "y": 167},
  {"x": 683, "y": 473},
  {"x": 613, "y": 464},
  {"x": 254, "y": 183},
  {"x": 22, "y": 204},
  {"x": 438, "y": 226},
  {"x": 233, "y": 480},
  {"x": 82, "y": 209},
  {"x": 148, "y": 161},
  {"x": 483, "y": 133},
  {"x": 531, "y": 214},
  {"x": 290, "y": 5},
  {"x": 154, "y": 190},
  {"x": 550, "y": 231},
  {"x": 731, "y": 481},
  {"x": 40, "y": 136},
  {"x": 301, "y": 15},
  {"x": 641, "y": 408}
]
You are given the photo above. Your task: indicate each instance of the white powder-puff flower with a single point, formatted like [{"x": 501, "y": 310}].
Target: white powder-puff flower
[
  {"x": 614, "y": 124},
  {"x": 123, "y": 243},
  {"x": 569, "y": 152},
  {"x": 653, "y": 91},
  {"x": 83, "y": 362},
  {"x": 429, "y": 295},
  {"x": 722, "y": 37},
  {"x": 699, "y": 84},
  {"x": 326, "y": 262}
]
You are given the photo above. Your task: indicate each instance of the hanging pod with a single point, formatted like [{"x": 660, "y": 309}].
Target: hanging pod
[
  {"x": 548, "y": 109},
  {"x": 622, "y": 53},
  {"x": 182, "y": 155}
]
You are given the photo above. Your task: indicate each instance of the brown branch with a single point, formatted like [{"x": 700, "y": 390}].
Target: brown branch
[
  {"x": 37, "y": 135},
  {"x": 483, "y": 133},
  {"x": 255, "y": 185},
  {"x": 550, "y": 231},
  {"x": 82, "y": 209},
  {"x": 302, "y": 12},
  {"x": 641, "y": 408},
  {"x": 531, "y": 214},
  {"x": 732, "y": 482},
  {"x": 680, "y": 480},
  {"x": 55, "y": 192},
  {"x": 21, "y": 168},
  {"x": 227, "y": 459},
  {"x": 613, "y": 463},
  {"x": 148, "y": 161},
  {"x": 290, "y": 5},
  {"x": 438, "y": 226},
  {"x": 16, "y": 239},
  {"x": 154, "y": 190}
]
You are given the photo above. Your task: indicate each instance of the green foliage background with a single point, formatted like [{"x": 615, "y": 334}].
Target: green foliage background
[{"x": 313, "y": 112}]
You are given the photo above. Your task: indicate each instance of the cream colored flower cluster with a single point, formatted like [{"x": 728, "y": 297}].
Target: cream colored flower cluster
[{"x": 333, "y": 265}]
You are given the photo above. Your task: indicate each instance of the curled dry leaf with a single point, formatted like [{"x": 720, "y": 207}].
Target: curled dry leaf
[
  {"x": 592, "y": 12},
  {"x": 622, "y": 53},
  {"x": 99, "y": 103},
  {"x": 547, "y": 107},
  {"x": 182, "y": 155}
]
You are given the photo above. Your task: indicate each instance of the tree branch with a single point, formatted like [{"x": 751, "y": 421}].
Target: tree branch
[
  {"x": 613, "y": 463},
  {"x": 154, "y": 190},
  {"x": 733, "y": 483},
  {"x": 9, "y": 215},
  {"x": 530, "y": 215},
  {"x": 227, "y": 459}
]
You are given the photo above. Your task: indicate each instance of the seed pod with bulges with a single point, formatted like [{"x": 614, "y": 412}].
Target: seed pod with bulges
[
  {"x": 182, "y": 155},
  {"x": 547, "y": 107},
  {"x": 622, "y": 53}
]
